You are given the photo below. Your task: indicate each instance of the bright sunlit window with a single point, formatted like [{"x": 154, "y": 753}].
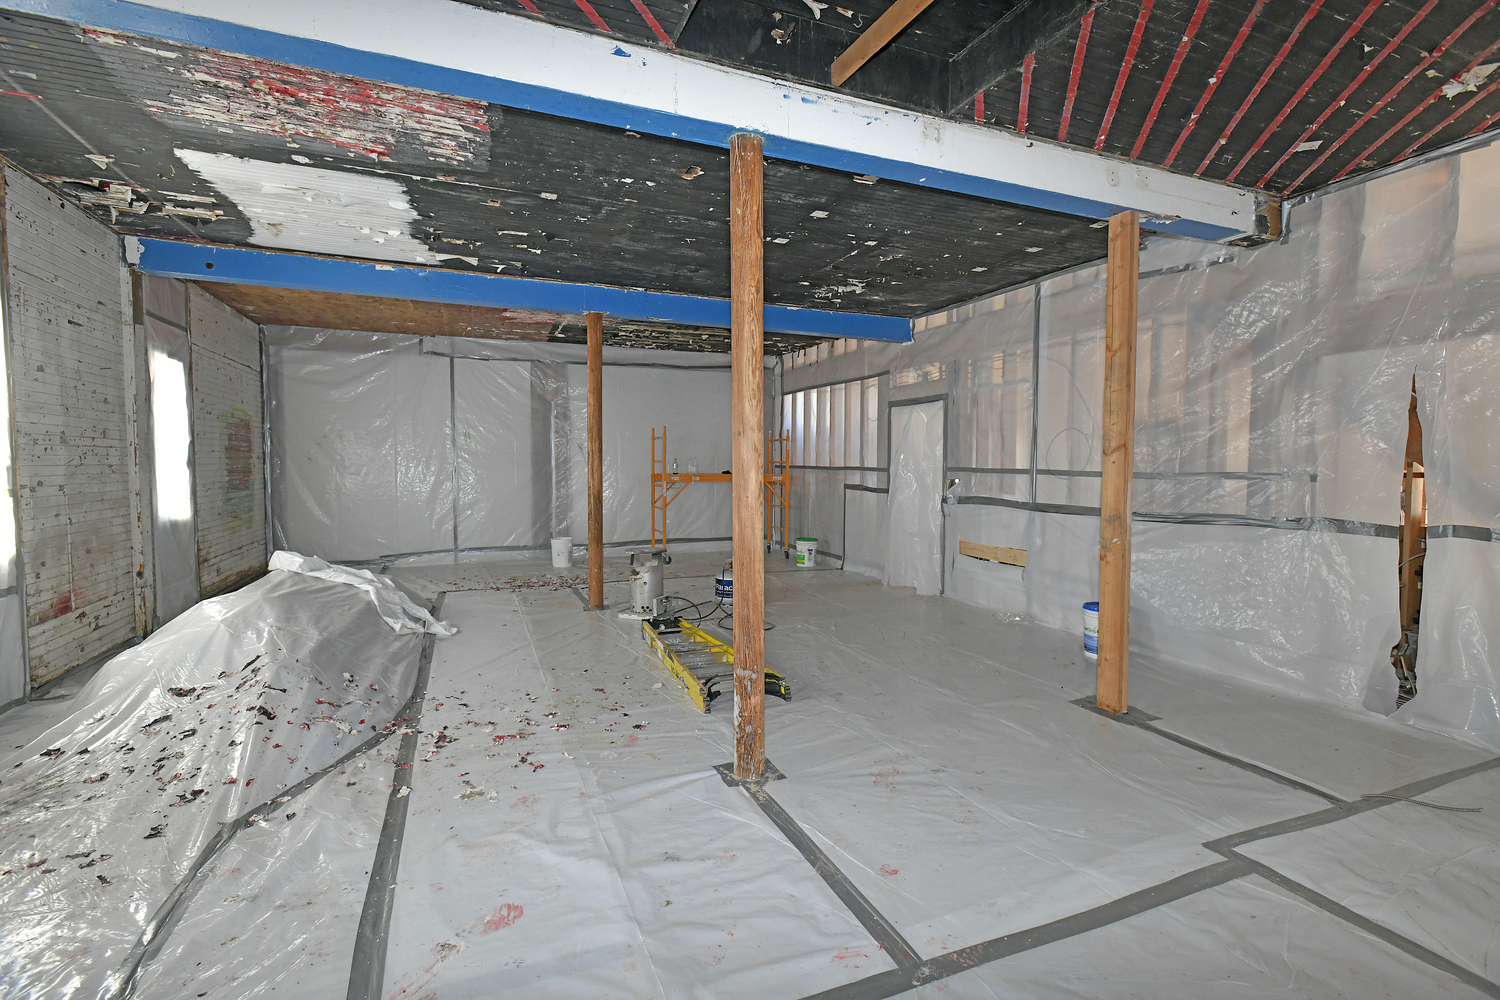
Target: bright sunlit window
[{"x": 173, "y": 438}]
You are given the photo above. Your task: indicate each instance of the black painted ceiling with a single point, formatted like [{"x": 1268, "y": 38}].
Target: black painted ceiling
[
  {"x": 1355, "y": 84},
  {"x": 495, "y": 189}
]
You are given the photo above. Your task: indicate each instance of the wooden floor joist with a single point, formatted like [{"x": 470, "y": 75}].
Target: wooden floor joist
[{"x": 1118, "y": 459}]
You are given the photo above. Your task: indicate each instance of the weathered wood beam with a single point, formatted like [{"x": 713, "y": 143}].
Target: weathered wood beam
[
  {"x": 747, "y": 419},
  {"x": 876, "y": 37},
  {"x": 1005, "y": 45},
  {"x": 596, "y": 459},
  {"x": 1121, "y": 290}
]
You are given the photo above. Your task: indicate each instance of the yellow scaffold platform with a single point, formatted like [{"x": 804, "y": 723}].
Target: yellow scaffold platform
[{"x": 699, "y": 661}]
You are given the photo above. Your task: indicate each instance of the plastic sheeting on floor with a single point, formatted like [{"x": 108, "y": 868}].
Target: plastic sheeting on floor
[
  {"x": 1430, "y": 874},
  {"x": 237, "y": 699},
  {"x": 566, "y": 836}
]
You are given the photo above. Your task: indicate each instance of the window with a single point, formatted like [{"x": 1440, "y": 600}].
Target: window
[{"x": 834, "y": 426}]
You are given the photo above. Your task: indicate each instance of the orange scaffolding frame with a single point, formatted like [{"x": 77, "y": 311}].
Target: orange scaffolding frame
[{"x": 668, "y": 486}]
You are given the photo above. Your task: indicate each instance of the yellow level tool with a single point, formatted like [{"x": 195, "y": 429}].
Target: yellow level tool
[{"x": 699, "y": 661}]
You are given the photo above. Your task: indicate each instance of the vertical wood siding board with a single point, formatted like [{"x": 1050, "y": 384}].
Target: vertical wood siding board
[{"x": 71, "y": 432}]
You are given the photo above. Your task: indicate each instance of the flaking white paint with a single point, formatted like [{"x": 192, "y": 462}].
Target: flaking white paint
[{"x": 292, "y": 207}]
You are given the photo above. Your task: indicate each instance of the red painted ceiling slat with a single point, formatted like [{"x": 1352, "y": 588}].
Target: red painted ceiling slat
[
  {"x": 1259, "y": 85},
  {"x": 1215, "y": 80},
  {"x": 1312, "y": 78},
  {"x": 1390, "y": 95},
  {"x": 1129, "y": 61},
  {"x": 1171, "y": 77},
  {"x": 1079, "y": 52}
]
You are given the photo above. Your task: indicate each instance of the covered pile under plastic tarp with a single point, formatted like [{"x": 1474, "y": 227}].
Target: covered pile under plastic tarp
[{"x": 205, "y": 727}]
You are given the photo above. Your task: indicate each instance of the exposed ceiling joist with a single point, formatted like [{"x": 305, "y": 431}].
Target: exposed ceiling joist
[
  {"x": 374, "y": 314},
  {"x": 522, "y": 63},
  {"x": 1002, "y": 48},
  {"x": 245, "y": 266},
  {"x": 876, "y": 37}
]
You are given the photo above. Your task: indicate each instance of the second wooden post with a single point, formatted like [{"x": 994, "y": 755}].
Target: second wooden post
[
  {"x": 1118, "y": 459},
  {"x": 596, "y": 460},
  {"x": 747, "y": 352}
]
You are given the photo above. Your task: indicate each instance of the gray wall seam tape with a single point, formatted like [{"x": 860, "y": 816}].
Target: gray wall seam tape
[
  {"x": 367, "y": 969},
  {"x": 882, "y": 930},
  {"x": 1331, "y": 524},
  {"x": 1311, "y": 477},
  {"x": 390, "y": 557},
  {"x": 897, "y": 981},
  {"x": 838, "y": 468},
  {"x": 154, "y": 935},
  {"x": 1141, "y": 721},
  {"x": 1390, "y": 937},
  {"x": 1474, "y": 532}
]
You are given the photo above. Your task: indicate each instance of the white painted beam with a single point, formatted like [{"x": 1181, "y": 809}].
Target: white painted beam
[{"x": 516, "y": 61}]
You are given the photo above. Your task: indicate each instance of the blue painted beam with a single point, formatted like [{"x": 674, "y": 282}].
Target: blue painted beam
[
  {"x": 193, "y": 29},
  {"x": 244, "y": 266}
]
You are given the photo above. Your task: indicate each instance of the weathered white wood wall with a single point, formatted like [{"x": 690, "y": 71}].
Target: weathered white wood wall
[
  {"x": 228, "y": 443},
  {"x": 67, "y": 326}
]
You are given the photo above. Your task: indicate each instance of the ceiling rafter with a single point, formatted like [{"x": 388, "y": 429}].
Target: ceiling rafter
[
  {"x": 1125, "y": 66},
  {"x": 1312, "y": 78},
  {"x": 1260, "y": 85},
  {"x": 876, "y": 37},
  {"x": 1390, "y": 95},
  {"x": 1339, "y": 101},
  {"x": 1170, "y": 78},
  {"x": 1214, "y": 81}
]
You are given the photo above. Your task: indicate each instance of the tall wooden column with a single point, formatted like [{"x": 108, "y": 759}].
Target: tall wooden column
[
  {"x": 596, "y": 460},
  {"x": 1119, "y": 459},
  {"x": 747, "y": 354}
]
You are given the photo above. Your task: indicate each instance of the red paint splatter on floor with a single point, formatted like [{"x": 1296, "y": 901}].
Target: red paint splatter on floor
[
  {"x": 888, "y": 870},
  {"x": 504, "y": 916}
]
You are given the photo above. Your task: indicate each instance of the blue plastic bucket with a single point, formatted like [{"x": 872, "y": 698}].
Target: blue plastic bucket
[{"x": 1091, "y": 630}]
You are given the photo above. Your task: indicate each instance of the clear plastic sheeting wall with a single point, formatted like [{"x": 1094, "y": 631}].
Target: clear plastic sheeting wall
[
  {"x": 834, "y": 434},
  {"x": 388, "y": 446},
  {"x": 1271, "y": 425}
]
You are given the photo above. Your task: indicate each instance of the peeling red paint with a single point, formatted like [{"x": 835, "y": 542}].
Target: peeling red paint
[{"x": 383, "y": 121}]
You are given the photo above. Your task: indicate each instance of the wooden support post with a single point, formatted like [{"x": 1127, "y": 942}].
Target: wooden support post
[
  {"x": 596, "y": 460},
  {"x": 1118, "y": 459},
  {"x": 747, "y": 418}
]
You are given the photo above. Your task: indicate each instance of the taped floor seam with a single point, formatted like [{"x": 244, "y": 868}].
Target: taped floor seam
[
  {"x": 1142, "y": 721},
  {"x": 367, "y": 968}
]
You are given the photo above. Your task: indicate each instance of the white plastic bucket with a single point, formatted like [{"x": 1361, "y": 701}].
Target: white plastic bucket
[
  {"x": 807, "y": 551},
  {"x": 562, "y": 552},
  {"x": 1091, "y": 630}
]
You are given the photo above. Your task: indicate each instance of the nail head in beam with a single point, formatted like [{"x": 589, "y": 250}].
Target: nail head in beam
[
  {"x": 1120, "y": 320},
  {"x": 596, "y": 458},
  {"x": 747, "y": 415},
  {"x": 876, "y": 37}
]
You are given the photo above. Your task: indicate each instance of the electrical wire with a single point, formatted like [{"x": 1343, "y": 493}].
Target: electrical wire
[{"x": 724, "y": 621}]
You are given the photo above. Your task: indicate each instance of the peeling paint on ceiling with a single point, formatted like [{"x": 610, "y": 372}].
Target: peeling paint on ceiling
[
  {"x": 292, "y": 207},
  {"x": 197, "y": 90}
]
